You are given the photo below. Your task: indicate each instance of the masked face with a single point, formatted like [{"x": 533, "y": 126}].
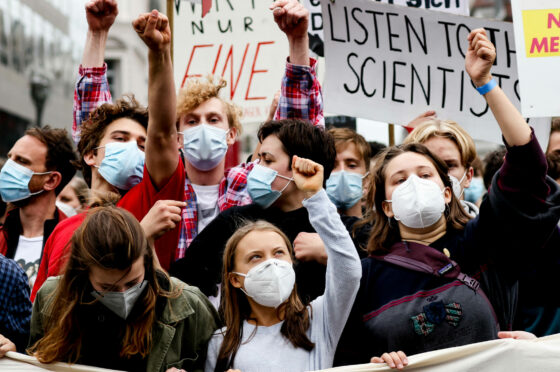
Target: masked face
[
  {"x": 345, "y": 189},
  {"x": 475, "y": 190},
  {"x": 119, "y": 290},
  {"x": 259, "y": 185},
  {"x": 205, "y": 146},
  {"x": 416, "y": 195},
  {"x": 121, "y": 303},
  {"x": 15, "y": 180},
  {"x": 418, "y": 203},
  {"x": 123, "y": 164},
  {"x": 263, "y": 268}
]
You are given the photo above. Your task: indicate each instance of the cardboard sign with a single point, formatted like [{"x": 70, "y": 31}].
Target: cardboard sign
[
  {"x": 537, "y": 36},
  {"x": 237, "y": 39},
  {"x": 391, "y": 63}
]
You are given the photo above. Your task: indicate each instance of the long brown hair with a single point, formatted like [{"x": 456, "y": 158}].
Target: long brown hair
[
  {"x": 385, "y": 233},
  {"x": 110, "y": 238},
  {"x": 235, "y": 308}
]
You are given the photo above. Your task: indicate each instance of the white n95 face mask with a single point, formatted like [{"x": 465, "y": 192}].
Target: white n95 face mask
[
  {"x": 270, "y": 283},
  {"x": 418, "y": 202}
]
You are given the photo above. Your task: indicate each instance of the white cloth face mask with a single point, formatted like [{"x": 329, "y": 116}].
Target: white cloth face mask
[
  {"x": 270, "y": 283},
  {"x": 418, "y": 202}
]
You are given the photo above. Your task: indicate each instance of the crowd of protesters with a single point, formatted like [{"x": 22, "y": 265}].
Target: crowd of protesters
[{"x": 320, "y": 250}]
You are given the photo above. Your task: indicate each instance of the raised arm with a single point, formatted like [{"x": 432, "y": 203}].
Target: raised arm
[
  {"x": 478, "y": 62},
  {"x": 301, "y": 96},
  {"x": 162, "y": 156},
  {"x": 92, "y": 89},
  {"x": 343, "y": 268}
]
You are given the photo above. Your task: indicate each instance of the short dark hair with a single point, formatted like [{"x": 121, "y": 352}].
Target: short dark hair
[
  {"x": 492, "y": 163},
  {"x": 304, "y": 140},
  {"x": 93, "y": 129},
  {"x": 61, "y": 156}
]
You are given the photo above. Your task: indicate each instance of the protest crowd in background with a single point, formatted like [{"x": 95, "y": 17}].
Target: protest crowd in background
[{"x": 128, "y": 244}]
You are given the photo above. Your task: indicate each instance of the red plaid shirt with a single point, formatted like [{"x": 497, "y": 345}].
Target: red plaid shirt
[
  {"x": 92, "y": 90},
  {"x": 301, "y": 98}
]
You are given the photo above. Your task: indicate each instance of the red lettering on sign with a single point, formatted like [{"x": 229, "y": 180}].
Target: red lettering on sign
[
  {"x": 186, "y": 76},
  {"x": 253, "y": 71}
]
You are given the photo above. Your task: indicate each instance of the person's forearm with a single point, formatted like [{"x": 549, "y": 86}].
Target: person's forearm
[
  {"x": 161, "y": 146},
  {"x": 161, "y": 94},
  {"x": 514, "y": 128},
  {"x": 94, "y": 50},
  {"x": 299, "y": 51}
]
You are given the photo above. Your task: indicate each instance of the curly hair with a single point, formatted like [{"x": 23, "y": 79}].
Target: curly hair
[
  {"x": 61, "y": 156},
  {"x": 198, "y": 91},
  {"x": 93, "y": 129}
]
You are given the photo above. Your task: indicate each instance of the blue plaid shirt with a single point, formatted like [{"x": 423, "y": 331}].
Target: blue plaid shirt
[{"x": 15, "y": 306}]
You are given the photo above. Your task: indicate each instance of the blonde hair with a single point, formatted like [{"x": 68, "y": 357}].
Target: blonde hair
[
  {"x": 446, "y": 129},
  {"x": 197, "y": 91}
]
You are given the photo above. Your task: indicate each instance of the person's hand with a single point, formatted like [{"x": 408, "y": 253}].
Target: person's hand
[
  {"x": 153, "y": 28},
  {"x": 233, "y": 370},
  {"x": 162, "y": 217},
  {"x": 101, "y": 14},
  {"x": 423, "y": 117},
  {"x": 308, "y": 175},
  {"x": 394, "y": 359},
  {"x": 273, "y": 106},
  {"x": 517, "y": 335},
  {"x": 310, "y": 247},
  {"x": 292, "y": 18},
  {"x": 173, "y": 369},
  {"x": 6, "y": 345},
  {"x": 480, "y": 57}
]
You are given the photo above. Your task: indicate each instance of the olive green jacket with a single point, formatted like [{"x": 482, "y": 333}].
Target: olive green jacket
[{"x": 180, "y": 337}]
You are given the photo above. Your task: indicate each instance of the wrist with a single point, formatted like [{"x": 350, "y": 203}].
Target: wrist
[
  {"x": 482, "y": 81},
  {"x": 98, "y": 34},
  {"x": 310, "y": 194},
  {"x": 490, "y": 85}
]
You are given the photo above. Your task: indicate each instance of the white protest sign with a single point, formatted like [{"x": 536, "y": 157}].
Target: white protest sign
[
  {"x": 237, "y": 39},
  {"x": 449, "y": 6},
  {"x": 537, "y": 39},
  {"x": 391, "y": 63}
]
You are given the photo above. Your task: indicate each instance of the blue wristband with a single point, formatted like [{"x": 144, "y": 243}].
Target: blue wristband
[{"x": 487, "y": 87}]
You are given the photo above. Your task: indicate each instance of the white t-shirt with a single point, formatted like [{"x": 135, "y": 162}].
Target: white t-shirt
[
  {"x": 28, "y": 256},
  {"x": 207, "y": 203}
]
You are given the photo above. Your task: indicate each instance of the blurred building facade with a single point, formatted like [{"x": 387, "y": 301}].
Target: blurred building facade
[{"x": 41, "y": 45}]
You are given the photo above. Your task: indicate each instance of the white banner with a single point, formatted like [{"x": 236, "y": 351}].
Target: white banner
[
  {"x": 17, "y": 362},
  {"x": 537, "y": 38},
  {"x": 391, "y": 63},
  {"x": 541, "y": 354},
  {"x": 237, "y": 39}
]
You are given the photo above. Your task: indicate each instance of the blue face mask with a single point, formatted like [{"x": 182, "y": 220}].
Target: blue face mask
[
  {"x": 259, "y": 186},
  {"x": 205, "y": 146},
  {"x": 14, "y": 182},
  {"x": 345, "y": 189},
  {"x": 475, "y": 190},
  {"x": 123, "y": 164}
]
